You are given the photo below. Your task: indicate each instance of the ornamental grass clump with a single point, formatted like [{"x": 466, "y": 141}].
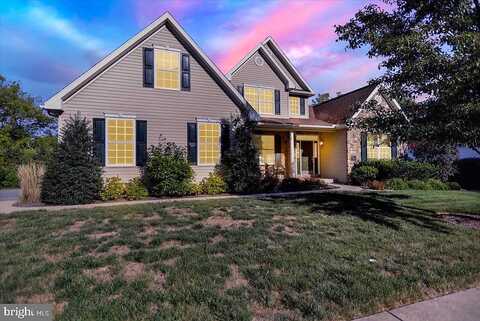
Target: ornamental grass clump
[{"x": 30, "y": 176}]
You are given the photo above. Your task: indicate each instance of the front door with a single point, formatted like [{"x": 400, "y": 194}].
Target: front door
[{"x": 307, "y": 157}]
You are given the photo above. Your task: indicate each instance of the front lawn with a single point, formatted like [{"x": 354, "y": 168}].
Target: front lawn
[{"x": 320, "y": 257}]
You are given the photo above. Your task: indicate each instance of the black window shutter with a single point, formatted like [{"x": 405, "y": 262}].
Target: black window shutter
[
  {"x": 394, "y": 149},
  {"x": 185, "y": 72},
  {"x": 141, "y": 142},
  {"x": 225, "y": 138},
  {"x": 302, "y": 106},
  {"x": 363, "y": 143},
  {"x": 99, "y": 139},
  {"x": 278, "y": 144},
  {"x": 277, "y": 102},
  {"x": 148, "y": 67},
  {"x": 240, "y": 89},
  {"x": 192, "y": 143}
]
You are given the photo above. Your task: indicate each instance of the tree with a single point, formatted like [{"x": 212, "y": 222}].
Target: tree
[
  {"x": 239, "y": 165},
  {"x": 430, "y": 51},
  {"x": 73, "y": 175},
  {"x": 22, "y": 124},
  {"x": 321, "y": 98}
]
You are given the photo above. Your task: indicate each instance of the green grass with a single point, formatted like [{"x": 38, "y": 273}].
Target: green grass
[
  {"x": 441, "y": 201},
  {"x": 319, "y": 257}
]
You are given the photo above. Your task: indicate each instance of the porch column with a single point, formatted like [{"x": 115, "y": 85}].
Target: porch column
[{"x": 293, "y": 167}]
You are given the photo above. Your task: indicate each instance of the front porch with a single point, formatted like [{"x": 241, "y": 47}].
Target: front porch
[{"x": 304, "y": 153}]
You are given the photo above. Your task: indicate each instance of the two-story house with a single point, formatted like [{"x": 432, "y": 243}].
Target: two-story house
[{"x": 160, "y": 83}]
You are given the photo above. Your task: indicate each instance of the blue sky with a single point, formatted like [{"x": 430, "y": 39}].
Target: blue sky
[{"x": 46, "y": 44}]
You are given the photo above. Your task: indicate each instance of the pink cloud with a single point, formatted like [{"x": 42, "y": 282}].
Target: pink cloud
[{"x": 282, "y": 22}]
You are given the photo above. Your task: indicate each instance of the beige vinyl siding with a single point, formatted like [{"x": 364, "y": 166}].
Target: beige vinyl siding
[
  {"x": 333, "y": 155},
  {"x": 282, "y": 67},
  {"x": 119, "y": 90},
  {"x": 251, "y": 74}
]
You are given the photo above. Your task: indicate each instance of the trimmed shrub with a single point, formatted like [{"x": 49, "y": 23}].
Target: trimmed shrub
[
  {"x": 376, "y": 185},
  {"x": 270, "y": 180},
  {"x": 135, "y": 190},
  {"x": 362, "y": 174},
  {"x": 195, "y": 188},
  {"x": 73, "y": 174},
  {"x": 293, "y": 184},
  {"x": 417, "y": 184},
  {"x": 30, "y": 176},
  {"x": 167, "y": 171},
  {"x": 113, "y": 189},
  {"x": 213, "y": 184},
  {"x": 396, "y": 184},
  {"x": 436, "y": 185},
  {"x": 468, "y": 175},
  {"x": 454, "y": 186},
  {"x": 398, "y": 168}
]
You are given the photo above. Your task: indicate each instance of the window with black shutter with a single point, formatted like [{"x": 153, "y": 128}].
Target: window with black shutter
[
  {"x": 141, "y": 142},
  {"x": 192, "y": 143},
  {"x": 185, "y": 72},
  {"x": 277, "y": 102},
  {"x": 148, "y": 67},
  {"x": 99, "y": 139},
  {"x": 302, "y": 106}
]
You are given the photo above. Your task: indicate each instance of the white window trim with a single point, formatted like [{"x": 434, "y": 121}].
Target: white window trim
[
  {"x": 134, "y": 143},
  {"x": 219, "y": 143},
  {"x": 155, "y": 48},
  {"x": 261, "y": 87},
  {"x": 290, "y": 107}
]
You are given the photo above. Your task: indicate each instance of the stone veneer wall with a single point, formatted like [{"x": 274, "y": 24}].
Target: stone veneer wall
[{"x": 353, "y": 148}]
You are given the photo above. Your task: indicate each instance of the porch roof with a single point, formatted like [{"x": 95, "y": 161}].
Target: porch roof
[{"x": 295, "y": 122}]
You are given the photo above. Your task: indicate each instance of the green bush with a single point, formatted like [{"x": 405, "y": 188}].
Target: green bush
[
  {"x": 396, "y": 184},
  {"x": 270, "y": 180},
  {"x": 239, "y": 164},
  {"x": 167, "y": 171},
  {"x": 293, "y": 184},
  {"x": 135, "y": 190},
  {"x": 362, "y": 174},
  {"x": 454, "y": 186},
  {"x": 194, "y": 188},
  {"x": 8, "y": 177},
  {"x": 113, "y": 189},
  {"x": 73, "y": 174},
  {"x": 213, "y": 184},
  {"x": 417, "y": 184},
  {"x": 436, "y": 185},
  {"x": 398, "y": 168}
]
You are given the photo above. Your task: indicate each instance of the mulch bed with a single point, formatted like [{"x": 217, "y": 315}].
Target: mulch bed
[{"x": 466, "y": 220}]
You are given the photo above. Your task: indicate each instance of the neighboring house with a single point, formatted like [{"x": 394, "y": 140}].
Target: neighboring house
[{"x": 161, "y": 83}]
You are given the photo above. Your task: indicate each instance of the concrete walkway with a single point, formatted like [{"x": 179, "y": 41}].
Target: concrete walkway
[
  {"x": 460, "y": 306},
  {"x": 7, "y": 206}
]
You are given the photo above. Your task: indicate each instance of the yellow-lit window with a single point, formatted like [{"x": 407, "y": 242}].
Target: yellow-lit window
[
  {"x": 266, "y": 149},
  {"x": 294, "y": 106},
  {"x": 261, "y": 99},
  {"x": 378, "y": 147},
  {"x": 209, "y": 143},
  {"x": 167, "y": 69},
  {"x": 120, "y": 142}
]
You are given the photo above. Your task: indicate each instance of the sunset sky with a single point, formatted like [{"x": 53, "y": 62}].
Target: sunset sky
[{"x": 46, "y": 44}]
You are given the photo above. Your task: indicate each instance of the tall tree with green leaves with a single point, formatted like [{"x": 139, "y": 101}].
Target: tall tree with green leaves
[
  {"x": 23, "y": 130},
  {"x": 73, "y": 175},
  {"x": 430, "y": 52}
]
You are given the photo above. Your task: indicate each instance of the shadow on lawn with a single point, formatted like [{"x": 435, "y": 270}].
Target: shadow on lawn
[{"x": 380, "y": 209}]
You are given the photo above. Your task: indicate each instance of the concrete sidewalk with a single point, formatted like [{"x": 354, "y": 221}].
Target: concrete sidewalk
[
  {"x": 7, "y": 206},
  {"x": 460, "y": 306}
]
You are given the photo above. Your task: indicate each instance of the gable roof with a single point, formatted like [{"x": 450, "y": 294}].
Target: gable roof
[
  {"x": 337, "y": 110},
  {"x": 55, "y": 102},
  {"x": 289, "y": 79},
  {"x": 280, "y": 54}
]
